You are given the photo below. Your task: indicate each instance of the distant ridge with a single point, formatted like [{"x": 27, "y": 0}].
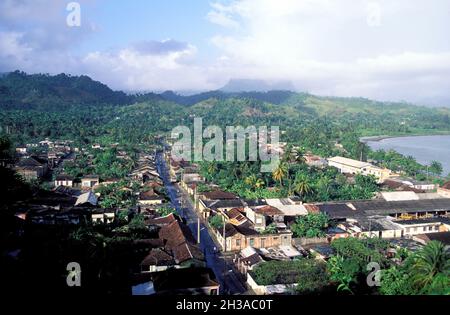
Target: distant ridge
[{"x": 248, "y": 85}]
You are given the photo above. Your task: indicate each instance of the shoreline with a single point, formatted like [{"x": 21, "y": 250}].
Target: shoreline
[{"x": 379, "y": 138}]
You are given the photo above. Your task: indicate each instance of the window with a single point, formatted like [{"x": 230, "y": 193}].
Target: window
[
  {"x": 252, "y": 242},
  {"x": 238, "y": 243},
  {"x": 430, "y": 228}
]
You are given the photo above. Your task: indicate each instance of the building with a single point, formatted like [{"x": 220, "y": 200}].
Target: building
[
  {"x": 64, "y": 180},
  {"x": 87, "y": 199},
  {"x": 387, "y": 219},
  {"x": 263, "y": 216},
  {"x": 415, "y": 184},
  {"x": 157, "y": 260},
  {"x": 444, "y": 190},
  {"x": 350, "y": 166},
  {"x": 189, "y": 281},
  {"x": 150, "y": 197},
  {"x": 206, "y": 207},
  {"x": 90, "y": 181},
  {"x": 315, "y": 160},
  {"x": 238, "y": 237},
  {"x": 443, "y": 237},
  {"x": 104, "y": 216},
  {"x": 31, "y": 168}
]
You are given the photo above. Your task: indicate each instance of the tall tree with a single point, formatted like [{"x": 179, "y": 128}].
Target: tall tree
[{"x": 280, "y": 172}]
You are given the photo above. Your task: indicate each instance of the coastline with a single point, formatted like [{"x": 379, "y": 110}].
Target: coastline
[{"x": 382, "y": 137}]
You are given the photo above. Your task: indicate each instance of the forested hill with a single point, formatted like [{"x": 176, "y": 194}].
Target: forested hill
[
  {"x": 77, "y": 107},
  {"x": 19, "y": 90}
]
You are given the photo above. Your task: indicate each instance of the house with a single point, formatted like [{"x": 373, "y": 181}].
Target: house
[
  {"x": 21, "y": 150},
  {"x": 409, "y": 195},
  {"x": 103, "y": 216},
  {"x": 64, "y": 180},
  {"x": 247, "y": 259},
  {"x": 444, "y": 190},
  {"x": 238, "y": 237},
  {"x": 44, "y": 215},
  {"x": 396, "y": 185},
  {"x": 87, "y": 199},
  {"x": 350, "y": 166},
  {"x": 89, "y": 181},
  {"x": 189, "y": 281},
  {"x": 315, "y": 160},
  {"x": 396, "y": 209},
  {"x": 146, "y": 173},
  {"x": 426, "y": 225},
  {"x": 235, "y": 216},
  {"x": 290, "y": 207},
  {"x": 189, "y": 182},
  {"x": 262, "y": 216},
  {"x": 150, "y": 197},
  {"x": 443, "y": 237},
  {"x": 387, "y": 219},
  {"x": 177, "y": 247},
  {"x": 217, "y": 195},
  {"x": 178, "y": 241},
  {"x": 207, "y": 206},
  {"x": 31, "y": 168},
  {"x": 157, "y": 260},
  {"x": 412, "y": 183}
]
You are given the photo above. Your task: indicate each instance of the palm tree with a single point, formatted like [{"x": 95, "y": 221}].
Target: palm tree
[
  {"x": 254, "y": 181},
  {"x": 299, "y": 156},
  {"x": 280, "y": 172},
  {"x": 302, "y": 186},
  {"x": 436, "y": 168},
  {"x": 432, "y": 260}
]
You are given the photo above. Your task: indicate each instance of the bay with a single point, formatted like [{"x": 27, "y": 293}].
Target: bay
[{"x": 423, "y": 148}]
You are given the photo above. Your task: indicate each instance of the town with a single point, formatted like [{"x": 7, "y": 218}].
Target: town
[
  {"x": 168, "y": 228},
  {"x": 224, "y": 155}
]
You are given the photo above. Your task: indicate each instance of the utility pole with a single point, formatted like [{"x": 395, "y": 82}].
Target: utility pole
[
  {"x": 198, "y": 230},
  {"x": 224, "y": 238}
]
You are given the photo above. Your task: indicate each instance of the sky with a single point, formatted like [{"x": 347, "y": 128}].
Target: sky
[{"x": 381, "y": 49}]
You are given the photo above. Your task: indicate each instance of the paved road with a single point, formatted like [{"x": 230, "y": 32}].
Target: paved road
[{"x": 228, "y": 280}]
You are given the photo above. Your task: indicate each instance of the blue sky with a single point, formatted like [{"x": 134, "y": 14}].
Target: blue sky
[
  {"x": 380, "y": 49},
  {"x": 120, "y": 23}
]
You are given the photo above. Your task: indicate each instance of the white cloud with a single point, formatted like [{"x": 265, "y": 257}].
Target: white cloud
[
  {"x": 382, "y": 49},
  {"x": 138, "y": 69}
]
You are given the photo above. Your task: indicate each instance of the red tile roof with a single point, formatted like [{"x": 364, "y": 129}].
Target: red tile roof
[
  {"x": 157, "y": 257},
  {"x": 219, "y": 195},
  {"x": 267, "y": 210},
  {"x": 161, "y": 221}
]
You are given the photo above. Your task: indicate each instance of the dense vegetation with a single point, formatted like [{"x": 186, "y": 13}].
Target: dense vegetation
[
  {"x": 426, "y": 271},
  {"x": 63, "y": 106}
]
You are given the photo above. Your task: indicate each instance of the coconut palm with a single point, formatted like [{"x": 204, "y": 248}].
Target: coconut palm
[
  {"x": 302, "y": 186},
  {"x": 280, "y": 172},
  {"x": 431, "y": 261},
  {"x": 299, "y": 156},
  {"x": 254, "y": 181}
]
